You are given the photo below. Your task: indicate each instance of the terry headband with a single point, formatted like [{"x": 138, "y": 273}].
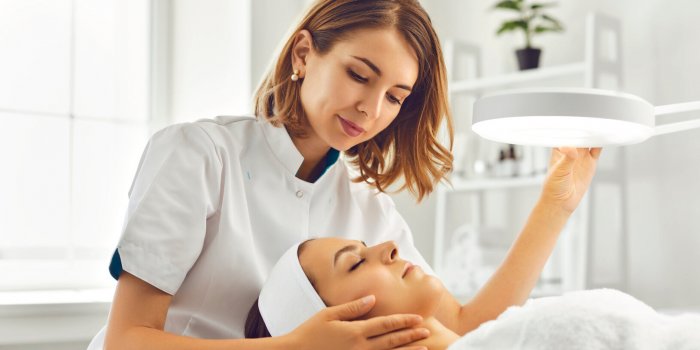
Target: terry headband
[{"x": 288, "y": 299}]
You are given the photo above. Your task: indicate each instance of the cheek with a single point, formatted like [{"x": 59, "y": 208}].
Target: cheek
[
  {"x": 326, "y": 92},
  {"x": 311, "y": 99},
  {"x": 391, "y": 293},
  {"x": 360, "y": 284}
]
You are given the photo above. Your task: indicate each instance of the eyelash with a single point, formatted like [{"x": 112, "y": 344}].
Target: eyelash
[
  {"x": 360, "y": 79},
  {"x": 357, "y": 264}
]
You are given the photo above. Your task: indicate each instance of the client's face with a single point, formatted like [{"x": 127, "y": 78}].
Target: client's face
[{"x": 343, "y": 270}]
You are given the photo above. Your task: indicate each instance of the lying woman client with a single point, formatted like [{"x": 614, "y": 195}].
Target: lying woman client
[{"x": 324, "y": 272}]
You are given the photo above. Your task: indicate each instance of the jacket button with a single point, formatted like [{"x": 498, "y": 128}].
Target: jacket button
[{"x": 300, "y": 194}]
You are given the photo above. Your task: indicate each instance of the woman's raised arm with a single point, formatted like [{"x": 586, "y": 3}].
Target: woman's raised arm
[{"x": 570, "y": 173}]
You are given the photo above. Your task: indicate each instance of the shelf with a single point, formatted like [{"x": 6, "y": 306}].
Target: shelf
[
  {"x": 528, "y": 76},
  {"x": 467, "y": 185}
]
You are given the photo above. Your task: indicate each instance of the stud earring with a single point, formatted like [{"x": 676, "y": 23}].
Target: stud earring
[{"x": 295, "y": 76}]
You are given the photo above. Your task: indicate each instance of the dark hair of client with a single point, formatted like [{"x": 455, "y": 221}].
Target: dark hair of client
[{"x": 255, "y": 325}]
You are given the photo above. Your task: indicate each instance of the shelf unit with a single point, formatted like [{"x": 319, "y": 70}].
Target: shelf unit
[{"x": 573, "y": 255}]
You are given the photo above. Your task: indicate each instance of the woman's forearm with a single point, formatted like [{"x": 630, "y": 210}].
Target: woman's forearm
[
  {"x": 513, "y": 281},
  {"x": 137, "y": 320},
  {"x": 138, "y": 338}
]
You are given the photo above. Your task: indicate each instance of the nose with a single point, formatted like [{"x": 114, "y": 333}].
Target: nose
[
  {"x": 371, "y": 105},
  {"x": 389, "y": 252}
]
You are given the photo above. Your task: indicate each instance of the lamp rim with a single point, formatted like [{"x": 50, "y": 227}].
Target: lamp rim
[
  {"x": 563, "y": 111},
  {"x": 572, "y": 90}
]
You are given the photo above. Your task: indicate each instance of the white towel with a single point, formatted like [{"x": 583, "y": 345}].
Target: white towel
[{"x": 593, "y": 319}]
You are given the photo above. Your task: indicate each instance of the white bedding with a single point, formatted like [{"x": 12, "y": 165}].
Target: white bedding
[{"x": 593, "y": 319}]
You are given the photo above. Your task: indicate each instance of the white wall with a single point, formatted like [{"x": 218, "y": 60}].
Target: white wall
[
  {"x": 666, "y": 227},
  {"x": 271, "y": 21},
  {"x": 210, "y": 64},
  {"x": 660, "y": 55}
]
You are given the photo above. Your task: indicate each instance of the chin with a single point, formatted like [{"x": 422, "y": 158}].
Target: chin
[
  {"x": 336, "y": 141},
  {"x": 428, "y": 299},
  {"x": 342, "y": 142}
]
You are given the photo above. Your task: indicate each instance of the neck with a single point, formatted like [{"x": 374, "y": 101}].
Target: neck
[
  {"x": 314, "y": 151},
  {"x": 440, "y": 337}
]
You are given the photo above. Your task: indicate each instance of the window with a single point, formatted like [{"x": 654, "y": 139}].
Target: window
[{"x": 74, "y": 119}]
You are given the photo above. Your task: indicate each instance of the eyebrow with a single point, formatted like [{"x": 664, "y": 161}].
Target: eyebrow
[
  {"x": 376, "y": 69},
  {"x": 347, "y": 248}
]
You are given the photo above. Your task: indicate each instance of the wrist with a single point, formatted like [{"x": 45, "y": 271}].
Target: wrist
[
  {"x": 553, "y": 208},
  {"x": 284, "y": 342}
]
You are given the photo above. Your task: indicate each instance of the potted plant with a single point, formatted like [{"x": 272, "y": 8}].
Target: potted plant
[{"x": 531, "y": 21}]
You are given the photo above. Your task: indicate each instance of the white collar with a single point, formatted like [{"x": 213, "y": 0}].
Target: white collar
[
  {"x": 281, "y": 145},
  {"x": 284, "y": 149}
]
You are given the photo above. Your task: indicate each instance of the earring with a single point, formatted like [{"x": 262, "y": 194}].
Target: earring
[{"x": 295, "y": 76}]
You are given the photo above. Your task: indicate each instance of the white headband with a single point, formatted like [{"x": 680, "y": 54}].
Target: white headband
[{"x": 288, "y": 299}]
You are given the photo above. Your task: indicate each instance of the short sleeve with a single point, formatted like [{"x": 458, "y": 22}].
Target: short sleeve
[
  {"x": 399, "y": 232},
  {"x": 176, "y": 188}
]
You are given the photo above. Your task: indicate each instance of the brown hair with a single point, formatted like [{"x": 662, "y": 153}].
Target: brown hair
[{"x": 409, "y": 146}]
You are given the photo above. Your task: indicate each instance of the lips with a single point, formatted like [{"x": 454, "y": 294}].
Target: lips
[
  {"x": 406, "y": 269},
  {"x": 350, "y": 128}
]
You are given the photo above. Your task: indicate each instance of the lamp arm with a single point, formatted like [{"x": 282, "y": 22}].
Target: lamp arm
[
  {"x": 673, "y": 109},
  {"x": 677, "y": 108}
]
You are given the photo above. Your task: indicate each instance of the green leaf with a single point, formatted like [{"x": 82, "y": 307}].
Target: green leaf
[
  {"x": 541, "y": 29},
  {"x": 535, "y": 7},
  {"x": 509, "y": 5},
  {"x": 553, "y": 21},
  {"x": 512, "y": 25}
]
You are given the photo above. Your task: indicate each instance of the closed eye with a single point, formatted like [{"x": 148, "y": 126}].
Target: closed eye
[
  {"x": 357, "y": 76},
  {"x": 394, "y": 99},
  {"x": 357, "y": 264},
  {"x": 361, "y": 79}
]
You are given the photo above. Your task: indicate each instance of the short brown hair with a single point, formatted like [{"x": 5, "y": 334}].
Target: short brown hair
[{"x": 409, "y": 146}]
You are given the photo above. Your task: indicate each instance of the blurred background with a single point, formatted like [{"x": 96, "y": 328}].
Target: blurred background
[{"x": 84, "y": 83}]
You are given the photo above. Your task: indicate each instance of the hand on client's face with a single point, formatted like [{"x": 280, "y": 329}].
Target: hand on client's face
[{"x": 329, "y": 329}]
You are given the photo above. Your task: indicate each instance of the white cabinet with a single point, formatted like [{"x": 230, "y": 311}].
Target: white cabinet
[{"x": 466, "y": 252}]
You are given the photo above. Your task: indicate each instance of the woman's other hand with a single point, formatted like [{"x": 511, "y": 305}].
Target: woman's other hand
[
  {"x": 334, "y": 328},
  {"x": 570, "y": 173}
]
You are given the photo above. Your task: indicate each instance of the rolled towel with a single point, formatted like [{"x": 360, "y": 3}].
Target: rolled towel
[{"x": 590, "y": 320}]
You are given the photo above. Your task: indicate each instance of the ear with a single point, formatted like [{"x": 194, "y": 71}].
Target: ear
[{"x": 303, "y": 45}]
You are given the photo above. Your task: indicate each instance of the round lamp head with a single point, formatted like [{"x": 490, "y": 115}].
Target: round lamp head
[{"x": 564, "y": 117}]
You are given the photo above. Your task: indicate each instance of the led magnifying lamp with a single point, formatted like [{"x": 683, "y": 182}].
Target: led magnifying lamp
[{"x": 573, "y": 117}]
